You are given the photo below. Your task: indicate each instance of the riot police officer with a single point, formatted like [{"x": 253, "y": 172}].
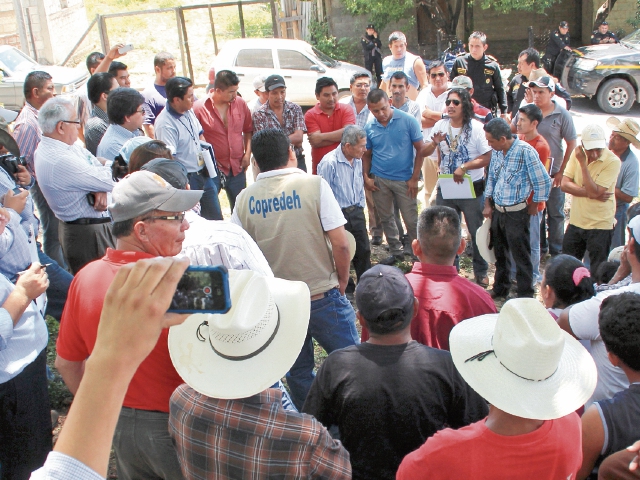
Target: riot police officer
[
  {"x": 558, "y": 41},
  {"x": 372, "y": 51}
]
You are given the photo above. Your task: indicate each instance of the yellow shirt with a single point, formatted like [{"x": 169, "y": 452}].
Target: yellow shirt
[{"x": 588, "y": 213}]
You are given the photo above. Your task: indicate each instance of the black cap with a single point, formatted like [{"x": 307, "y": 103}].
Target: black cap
[
  {"x": 604, "y": 23},
  {"x": 383, "y": 288},
  {"x": 564, "y": 24},
  {"x": 172, "y": 171},
  {"x": 371, "y": 26},
  {"x": 273, "y": 81}
]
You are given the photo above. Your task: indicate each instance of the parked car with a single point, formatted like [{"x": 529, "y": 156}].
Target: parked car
[
  {"x": 14, "y": 67},
  {"x": 610, "y": 73},
  {"x": 298, "y": 62}
]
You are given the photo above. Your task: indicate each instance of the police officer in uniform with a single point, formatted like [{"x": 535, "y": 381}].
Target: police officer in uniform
[
  {"x": 603, "y": 36},
  {"x": 528, "y": 60},
  {"x": 484, "y": 71},
  {"x": 372, "y": 51},
  {"x": 558, "y": 41}
]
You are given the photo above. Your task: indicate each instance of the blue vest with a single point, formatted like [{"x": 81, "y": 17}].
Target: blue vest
[{"x": 405, "y": 64}]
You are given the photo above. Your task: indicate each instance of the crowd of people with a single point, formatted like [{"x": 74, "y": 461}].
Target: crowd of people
[{"x": 124, "y": 189}]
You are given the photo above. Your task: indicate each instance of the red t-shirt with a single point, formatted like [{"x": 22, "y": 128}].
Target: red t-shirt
[
  {"x": 552, "y": 452},
  {"x": 445, "y": 299},
  {"x": 227, "y": 141},
  {"x": 156, "y": 378},
  {"x": 544, "y": 152},
  {"x": 318, "y": 121}
]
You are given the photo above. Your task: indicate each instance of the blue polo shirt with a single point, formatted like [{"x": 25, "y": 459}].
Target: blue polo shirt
[{"x": 392, "y": 146}]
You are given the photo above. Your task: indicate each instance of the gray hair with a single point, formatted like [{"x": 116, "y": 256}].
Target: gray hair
[
  {"x": 54, "y": 111},
  {"x": 397, "y": 36},
  {"x": 352, "y": 134}
]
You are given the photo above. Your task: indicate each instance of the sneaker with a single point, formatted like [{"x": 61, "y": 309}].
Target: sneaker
[
  {"x": 391, "y": 260},
  {"x": 376, "y": 240}
]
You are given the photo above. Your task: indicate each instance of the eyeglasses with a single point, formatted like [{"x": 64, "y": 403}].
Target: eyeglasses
[
  {"x": 77, "y": 122},
  {"x": 362, "y": 85},
  {"x": 450, "y": 101},
  {"x": 140, "y": 111},
  {"x": 436, "y": 75},
  {"x": 179, "y": 218}
]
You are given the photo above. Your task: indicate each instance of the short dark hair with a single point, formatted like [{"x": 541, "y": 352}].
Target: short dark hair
[
  {"x": 376, "y": 95},
  {"x": 634, "y": 210},
  {"x": 123, "y": 102},
  {"x": 98, "y": 84},
  {"x": 123, "y": 228},
  {"x": 358, "y": 75},
  {"x": 323, "y": 82},
  {"x": 606, "y": 271},
  {"x": 498, "y": 128},
  {"x": 437, "y": 64},
  {"x": 161, "y": 58},
  {"x": 619, "y": 323},
  {"x": 146, "y": 152},
  {"x": 532, "y": 112},
  {"x": 115, "y": 67},
  {"x": 390, "y": 321},
  {"x": 400, "y": 76},
  {"x": 94, "y": 59},
  {"x": 533, "y": 56},
  {"x": 177, "y": 87},
  {"x": 558, "y": 274},
  {"x": 36, "y": 79},
  {"x": 225, "y": 79},
  {"x": 270, "y": 147},
  {"x": 439, "y": 232}
]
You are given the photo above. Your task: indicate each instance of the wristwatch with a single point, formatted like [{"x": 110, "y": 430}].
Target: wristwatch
[{"x": 462, "y": 167}]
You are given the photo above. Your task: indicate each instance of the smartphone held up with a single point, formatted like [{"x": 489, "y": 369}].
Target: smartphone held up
[{"x": 202, "y": 290}]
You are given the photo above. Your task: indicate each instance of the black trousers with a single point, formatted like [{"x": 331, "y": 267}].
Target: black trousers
[
  {"x": 357, "y": 225},
  {"x": 25, "y": 421},
  {"x": 374, "y": 62},
  {"x": 510, "y": 233},
  {"x": 82, "y": 244},
  {"x": 577, "y": 241}
]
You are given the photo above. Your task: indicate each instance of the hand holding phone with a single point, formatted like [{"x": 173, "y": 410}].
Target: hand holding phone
[
  {"x": 126, "y": 48},
  {"x": 202, "y": 290}
]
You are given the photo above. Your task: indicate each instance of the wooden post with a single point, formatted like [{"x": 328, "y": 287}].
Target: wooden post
[
  {"x": 283, "y": 26},
  {"x": 274, "y": 19},
  {"x": 104, "y": 36},
  {"x": 185, "y": 40},
  {"x": 530, "y": 30},
  {"x": 241, "y": 17},
  {"x": 213, "y": 30},
  {"x": 439, "y": 42},
  {"x": 294, "y": 25},
  {"x": 75, "y": 47},
  {"x": 180, "y": 41}
]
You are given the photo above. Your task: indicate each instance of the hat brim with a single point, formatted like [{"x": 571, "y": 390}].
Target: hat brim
[
  {"x": 482, "y": 242},
  {"x": 276, "y": 85},
  {"x": 181, "y": 201},
  {"x": 565, "y": 391},
  {"x": 8, "y": 115},
  {"x": 211, "y": 375},
  {"x": 534, "y": 83},
  {"x": 614, "y": 123},
  {"x": 591, "y": 144}
]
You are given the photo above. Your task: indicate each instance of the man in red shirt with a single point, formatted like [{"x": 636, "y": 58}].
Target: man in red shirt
[
  {"x": 534, "y": 376},
  {"x": 326, "y": 121},
  {"x": 148, "y": 216},
  {"x": 227, "y": 125}
]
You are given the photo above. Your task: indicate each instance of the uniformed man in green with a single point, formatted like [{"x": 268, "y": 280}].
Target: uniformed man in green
[
  {"x": 484, "y": 72},
  {"x": 558, "y": 41}
]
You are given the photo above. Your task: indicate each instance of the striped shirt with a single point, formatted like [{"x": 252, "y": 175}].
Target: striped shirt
[
  {"x": 513, "y": 176},
  {"x": 251, "y": 438},
  {"x": 58, "y": 466},
  {"x": 344, "y": 178},
  {"x": 95, "y": 129},
  {"x": 14, "y": 248},
  {"x": 364, "y": 116},
  {"x": 67, "y": 173},
  {"x": 27, "y": 133},
  {"x": 113, "y": 140},
  {"x": 412, "y": 108},
  {"x": 28, "y": 218}
]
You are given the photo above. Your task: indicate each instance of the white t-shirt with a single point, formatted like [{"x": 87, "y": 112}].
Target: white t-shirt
[
  {"x": 470, "y": 147},
  {"x": 583, "y": 319},
  {"x": 426, "y": 99},
  {"x": 331, "y": 215}
]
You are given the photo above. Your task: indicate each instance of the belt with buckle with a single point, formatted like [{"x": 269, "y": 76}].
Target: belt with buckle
[
  {"x": 89, "y": 221},
  {"x": 511, "y": 208}
]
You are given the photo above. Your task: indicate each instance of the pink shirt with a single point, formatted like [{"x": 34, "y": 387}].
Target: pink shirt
[{"x": 228, "y": 142}]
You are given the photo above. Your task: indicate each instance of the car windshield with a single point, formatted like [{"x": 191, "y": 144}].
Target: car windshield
[
  {"x": 16, "y": 61},
  {"x": 328, "y": 61},
  {"x": 632, "y": 40}
]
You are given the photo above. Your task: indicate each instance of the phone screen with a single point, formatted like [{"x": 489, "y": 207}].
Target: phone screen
[{"x": 202, "y": 290}]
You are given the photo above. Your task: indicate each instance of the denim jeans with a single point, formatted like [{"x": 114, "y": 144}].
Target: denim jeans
[
  {"x": 620, "y": 230},
  {"x": 59, "y": 283},
  {"x": 49, "y": 224},
  {"x": 332, "y": 324},
  {"x": 534, "y": 232},
  {"x": 555, "y": 216},
  {"x": 233, "y": 186},
  {"x": 209, "y": 203}
]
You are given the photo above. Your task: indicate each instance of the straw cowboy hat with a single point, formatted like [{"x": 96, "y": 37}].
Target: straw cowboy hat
[
  {"x": 627, "y": 129},
  {"x": 521, "y": 362},
  {"x": 249, "y": 348},
  {"x": 483, "y": 240}
]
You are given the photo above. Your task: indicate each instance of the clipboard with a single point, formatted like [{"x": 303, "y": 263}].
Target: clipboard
[{"x": 452, "y": 190}]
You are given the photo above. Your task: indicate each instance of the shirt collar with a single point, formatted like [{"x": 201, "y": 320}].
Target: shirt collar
[
  {"x": 625, "y": 154},
  {"x": 340, "y": 157},
  {"x": 31, "y": 108},
  {"x": 124, "y": 256},
  {"x": 431, "y": 269},
  {"x": 100, "y": 113},
  {"x": 375, "y": 120},
  {"x": 280, "y": 171},
  {"x": 173, "y": 113}
]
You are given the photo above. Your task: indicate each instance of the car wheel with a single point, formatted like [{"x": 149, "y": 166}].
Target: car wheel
[
  {"x": 616, "y": 96},
  {"x": 343, "y": 94}
]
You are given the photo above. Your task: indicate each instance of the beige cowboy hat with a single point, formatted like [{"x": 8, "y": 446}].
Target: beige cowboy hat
[
  {"x": 246, "y": 350},
  {"x": 483, "y": 238},
  {"x": 627, "y": 129},
  {"x": 522, "y": 362}
]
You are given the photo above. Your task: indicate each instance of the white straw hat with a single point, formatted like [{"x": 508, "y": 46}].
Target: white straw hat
[
  {"x": 521, "y": 362},
  {"x": 252, "y": 346},
  {"x": 483, "y": 239}
]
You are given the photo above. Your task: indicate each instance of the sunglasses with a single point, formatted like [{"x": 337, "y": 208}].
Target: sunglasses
[
  {"x": 436, "y": 75},
  {"x": 450, "y": 101}
]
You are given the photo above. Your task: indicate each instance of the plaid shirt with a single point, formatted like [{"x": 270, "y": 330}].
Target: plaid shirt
[
  {"x": 264, "y": 118},
  {"x": 513, "y": 176},
  {"x": 251, "y": 438}
]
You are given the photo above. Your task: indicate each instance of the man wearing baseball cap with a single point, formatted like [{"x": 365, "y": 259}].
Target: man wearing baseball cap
[
  {"x": 389, "y": 394},
  {"x": 624, "y": 133},
  {"x": 534, "y": 376},
  {"x": 558, "y": 41},
  {"x": 149, "y": 221},
  {"x": 482, "y": 114},
  {"x": 261, "y": 94},
  {"x": 590, "y": 177},
  {"x": 603, "y": 36}
]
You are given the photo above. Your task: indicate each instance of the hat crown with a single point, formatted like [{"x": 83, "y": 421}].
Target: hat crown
[{"x": 527, "y": 341}]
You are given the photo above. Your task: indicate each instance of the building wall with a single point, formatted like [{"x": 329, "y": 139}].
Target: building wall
[{"x": 622, "y": 11}]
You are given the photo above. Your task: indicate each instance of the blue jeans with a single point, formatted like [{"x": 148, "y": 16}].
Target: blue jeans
[
  {"x": 555, "y": 215},
  {"x": 59, "y": 283},
  {"x": 233, "y": 186},
  {"x": 620, "y": 230},
  {"x": 209, "y": 204},
  {"x": 332, "y": 324},
  {"x": 49, "y": 223},
  {"x": 534, "y": 232}
]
